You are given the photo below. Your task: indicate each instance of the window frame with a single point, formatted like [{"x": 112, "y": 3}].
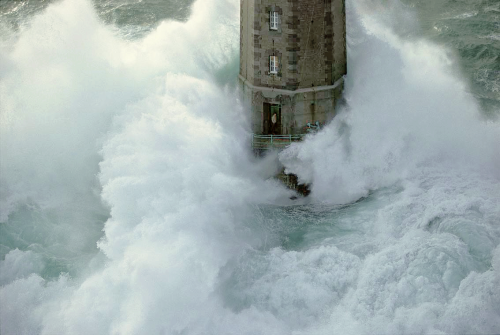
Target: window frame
[
  {"x": 273, "y": 20},
  {"x": 273, "y": 64}
]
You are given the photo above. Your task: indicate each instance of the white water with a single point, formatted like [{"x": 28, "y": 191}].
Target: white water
[{"x": 147, "y": 127}]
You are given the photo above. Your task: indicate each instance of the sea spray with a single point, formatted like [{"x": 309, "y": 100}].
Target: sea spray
[
  {"x": 413, "y": 111},
  {"x": 177, "y": 174},
  {"x": 195, "y": 239},
  {"x": 410, "y": 126}
]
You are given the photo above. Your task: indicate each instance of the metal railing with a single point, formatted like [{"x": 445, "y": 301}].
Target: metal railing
[{"x": 264, "y": 142}]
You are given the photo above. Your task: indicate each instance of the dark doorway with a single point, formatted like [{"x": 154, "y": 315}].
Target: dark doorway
[{"x": 272, "y": 119}]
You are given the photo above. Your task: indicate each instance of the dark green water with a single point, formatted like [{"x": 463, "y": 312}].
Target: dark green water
[{"x": 130, "y": 203}]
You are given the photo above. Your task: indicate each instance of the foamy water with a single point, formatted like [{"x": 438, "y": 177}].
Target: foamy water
[{"x": 131, "y": 203}]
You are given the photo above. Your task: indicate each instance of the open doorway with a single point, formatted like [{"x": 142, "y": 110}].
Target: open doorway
[{"x": 272, "y": 119}]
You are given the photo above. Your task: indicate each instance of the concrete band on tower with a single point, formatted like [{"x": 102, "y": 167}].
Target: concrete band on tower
[{"x": 292, "y": 63}]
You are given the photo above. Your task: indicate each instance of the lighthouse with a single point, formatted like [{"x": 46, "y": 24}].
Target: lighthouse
[{"x": 292, "y": 63}]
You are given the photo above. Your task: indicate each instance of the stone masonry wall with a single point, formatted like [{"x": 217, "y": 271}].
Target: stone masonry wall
[
  {"x": 296, "y": 110},
  {"x": 247, "y": 14},
  {"x": 339, "y": 39},
  {"x": 271, "y": 43},
  {"x": 310, "y": 42},
  {"x": 313, "y": 22},
  {"x": 310, "y": 45}
]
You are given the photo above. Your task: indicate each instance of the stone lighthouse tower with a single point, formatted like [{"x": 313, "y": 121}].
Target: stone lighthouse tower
[{"x": 292, "y": 62}]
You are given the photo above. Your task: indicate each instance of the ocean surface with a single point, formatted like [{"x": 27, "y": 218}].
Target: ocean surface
[{"x": 130, "y": 201}]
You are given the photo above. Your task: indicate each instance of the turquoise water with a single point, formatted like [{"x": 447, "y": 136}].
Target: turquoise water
[{"x": 130, "y": 202}]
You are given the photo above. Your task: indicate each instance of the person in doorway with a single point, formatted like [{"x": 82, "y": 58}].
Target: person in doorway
[{"x": 273, "y": 123}]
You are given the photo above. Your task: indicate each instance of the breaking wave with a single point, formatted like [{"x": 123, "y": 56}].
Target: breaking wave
[{"x": 131, "y": 203}]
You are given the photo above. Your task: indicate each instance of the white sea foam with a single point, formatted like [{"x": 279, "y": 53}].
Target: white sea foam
[
  {"x": 176, "y": 171},
  {"x": 144, "y": 127},
  {"x": 410, "y": 120},
  {"x": 407, "y": 108}
]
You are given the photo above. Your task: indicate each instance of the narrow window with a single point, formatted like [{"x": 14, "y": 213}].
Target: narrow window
[
  {"x": 273, "y": 64},
  {"x": 273, "y": 20}
]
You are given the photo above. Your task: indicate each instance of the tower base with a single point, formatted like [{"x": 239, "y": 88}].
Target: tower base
[
  {"x": 291, "y": 181},
  {"x": 292, "y": 110}
]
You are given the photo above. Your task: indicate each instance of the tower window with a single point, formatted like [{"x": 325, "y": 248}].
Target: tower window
[
  {"x": 273, "y": 21},
  {"x": 273, "y": 64}
]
